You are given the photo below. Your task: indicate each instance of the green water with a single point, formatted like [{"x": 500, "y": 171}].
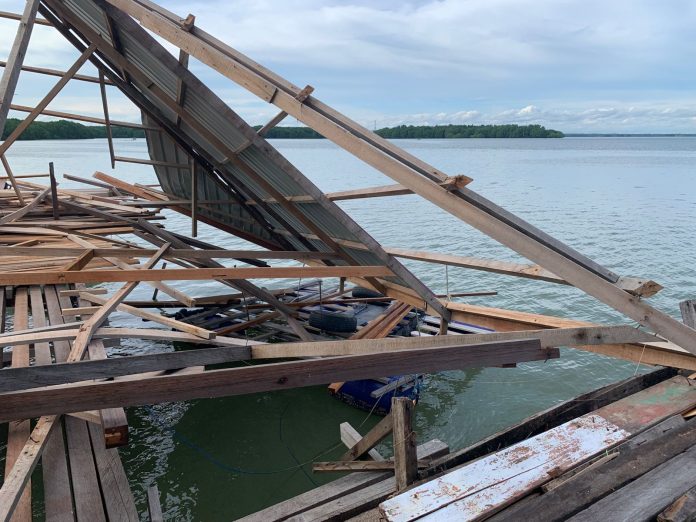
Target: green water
[{"x": 630, "y": 203}]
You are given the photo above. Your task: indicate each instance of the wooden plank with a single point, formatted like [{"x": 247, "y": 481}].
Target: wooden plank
[
  {"x": 373, "y": 437},
  {"x": 80, "y": 262},
  {"x": 57, "y": 491},
  {"x": 645, "y": 497},
  {"x": 465, "y": 204},
  {"x": 346, "y": 488},
  {"x": 267, "y": 377},
  {"x": 361, "y": 465},
  {"x": 636, "y": 286},
  {"x": 105, "y": 106},
  {"x": 118, "y": 497},
  {"x": 190, "y": 274},
  {"x": 489, "y": 484},
  {"x": 18, "y": 214},
  {"x": 88, "y": 328},
  {"x": 153, "y": 504},
  {"x": 83, "y": 471},
  {"x": 11, "y": 177},
  {"x": 55, "y": 72},
  {"x": 87, "y": 119},
  {"x": 62, "y": 373},
  {"x": 54, "y": 192},
  {"x": 18, "y": 431},
  {"x": 350, "y": 437},
  {"x": 405, "y": 460}
]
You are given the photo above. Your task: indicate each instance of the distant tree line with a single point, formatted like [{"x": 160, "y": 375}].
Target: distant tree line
[
  {"x": 433, "y": 132},
  {"x": 70, "y": 130},
  {"x": 67, "y": 130}
]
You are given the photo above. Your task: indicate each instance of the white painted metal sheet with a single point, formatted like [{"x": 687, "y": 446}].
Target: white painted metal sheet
[{"x": 499, "y": 478}]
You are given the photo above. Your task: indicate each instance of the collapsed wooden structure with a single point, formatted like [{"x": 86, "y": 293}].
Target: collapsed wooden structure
[{"x": 214, "y": 167}]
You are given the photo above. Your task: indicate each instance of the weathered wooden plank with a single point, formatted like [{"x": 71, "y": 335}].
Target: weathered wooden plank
[
  {"x": 190, "y": 274},
  {"x": 62, "y": 373},
  {"x": 153, "y": 504},
  {"x": 18, "y": 214},
  {"x": 688, "y": 311},
  {"x": 644, "y": 498},
  {"x": 83, "y": 471},
  {"x": 493, "y": 482},
  {"x": 19, "y": 430},
  {"x": 277, "y": 376},
  {"x": 682, "y": 510},
  {"x": 350, "y": 437}
]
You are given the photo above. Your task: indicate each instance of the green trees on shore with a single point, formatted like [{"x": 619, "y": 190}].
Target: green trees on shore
[{"x": 69, "y": 130}]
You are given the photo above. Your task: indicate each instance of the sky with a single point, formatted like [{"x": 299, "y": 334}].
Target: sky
[{"x": 579, "y": 66}]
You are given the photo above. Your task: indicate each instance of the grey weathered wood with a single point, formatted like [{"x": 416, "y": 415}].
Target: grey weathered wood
[
  {"x": 574, "y": 496},
  {"x": 54, "y": 192},
  {"x": 653, "y": 433},
  {"x": 349, "y": 487},
  {"x": 83, "y": 471},
  {"x": 688, "y": 311},
  {"x": 371, "y": 439},
  {"x": 267, "y": 377},
  {"x": 682, "y": 510},
  {"x": 350, "y": 437},
  {"x": 62, "y": 373},
  {"x": 405, "y": 460},
  {"x": 645, "y": 497},
  {"x": 153, "y": 504}
]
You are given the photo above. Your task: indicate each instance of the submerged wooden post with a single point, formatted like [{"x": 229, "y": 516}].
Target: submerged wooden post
[
  {"x": 405, "y": 459},
  {"x": 54, "y": 192}
]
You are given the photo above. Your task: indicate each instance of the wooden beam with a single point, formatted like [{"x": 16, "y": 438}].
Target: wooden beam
[
  {"x": 383, "y": 428},
  {"x": 87, "y": 119},
  {"x": 10, "y": 76},
  {"x": 350, "y": 437},
  {"x": 189, "y": 274},
  {"x": 18, "y": 214},
  {"x": 259, "y": 378},
  {"x": 193, "y": 168},
  {"x": 17, "y": 132},
  {"x": 361, "y": 465},
  {"x": 642, "y": 287},
  {"x": 15, "y": 16},
  {"x": 65, "y": 373},
  {"x": 142, "y": 161},
  {"x": 88, "y": 328},
  {"x": 10, "y": 176},
  {"x": 55, "y": 72},
  {"x": 465, "y": 204},
  {"x": 54, "y": 192},
  {"x": 688, "y": 311},
  {"x": 301, "y": 96}
]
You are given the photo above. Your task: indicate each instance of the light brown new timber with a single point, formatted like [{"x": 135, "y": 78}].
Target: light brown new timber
[
  {"x": 157, "y": 318},
  {"x": 395, "y": 164},
  {"x": 17, "y": 214},
  {"x": 302, "y": 96},
  {"x": 80, "y": 262},
  {"x": 88, "y": 328},
  {"x": 405, "y": 459},
  {"x": 189, "y": 274},
  {"x": 261, "y": 378},
  {"x": 370, "y": 440},
  {"x": 88, "y": 119},
  {"x": 18, "y": 430},
  {"x": 17, "y": 132}
]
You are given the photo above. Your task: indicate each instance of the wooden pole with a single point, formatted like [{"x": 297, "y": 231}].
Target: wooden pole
[
  {"x": 11, "y": 177},
  {"x": 54, "y": 192},
  {"x": 105, "y": 105},
  {"x": 405, "y": 459}
]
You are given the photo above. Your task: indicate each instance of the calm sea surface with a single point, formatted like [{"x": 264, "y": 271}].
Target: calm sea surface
[{"x": 629, "y": 203}]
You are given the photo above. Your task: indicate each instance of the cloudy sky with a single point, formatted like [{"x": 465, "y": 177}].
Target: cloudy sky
[{"x": 573, "y": 65}]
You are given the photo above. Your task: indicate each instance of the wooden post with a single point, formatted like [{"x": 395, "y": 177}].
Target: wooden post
[
  {"x": 194, "y": 197},
  {"x": 54, "y": 192},
  {"x": 11, "y": 177},
  {"x": 153, "y": 504},
  {"x": 405, "y": 459},
  {"x": 688, "y": 311}
]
